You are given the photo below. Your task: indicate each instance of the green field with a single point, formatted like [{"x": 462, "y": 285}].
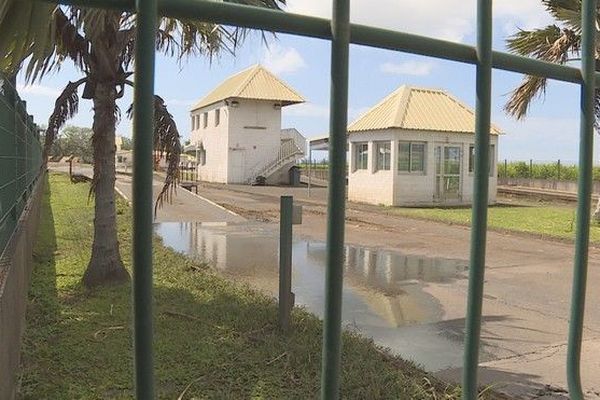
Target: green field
[
  {"x": 213, "y": 339},
  {"x": 537, "y": 218}
]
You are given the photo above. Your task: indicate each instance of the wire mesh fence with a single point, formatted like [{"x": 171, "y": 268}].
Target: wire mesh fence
[{"x": 20, "y": 158}]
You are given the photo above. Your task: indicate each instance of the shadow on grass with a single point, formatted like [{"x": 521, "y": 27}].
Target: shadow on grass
[{"x": 42, "y": 306}]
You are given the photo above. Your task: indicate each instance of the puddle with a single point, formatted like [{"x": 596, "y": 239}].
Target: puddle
[{"x": 385, "y": 293}]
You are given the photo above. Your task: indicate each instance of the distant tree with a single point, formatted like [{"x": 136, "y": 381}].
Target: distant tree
[
  {"x": 127, "y": 143},
  {"x": 74, "y": 141}
]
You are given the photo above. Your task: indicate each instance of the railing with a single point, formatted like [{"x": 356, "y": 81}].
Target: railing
[
  {"x": 289, "y": 151},
  {"x": 20, "y": 158},
  {"x": 340, "y": 32},
  {"x": 296, "y": 136}
]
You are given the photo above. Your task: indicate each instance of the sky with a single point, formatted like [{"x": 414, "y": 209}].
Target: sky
[{"x": 548, "y": 133}]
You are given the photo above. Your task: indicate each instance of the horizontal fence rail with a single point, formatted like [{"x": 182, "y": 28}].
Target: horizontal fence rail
[
  {"x": 20, "y": 158},
  {"x": 320, "y": 28},
  {"x": 341, "y": 33}
]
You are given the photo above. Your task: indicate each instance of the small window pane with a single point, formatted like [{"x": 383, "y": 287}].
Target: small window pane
[
  {"x": 404, "y": 156},
  {"x": 362, "y": 155},
  {"x": 217, "y": 117},
  {"x": 417, "y": 157},
  {"x": 492, "y": 159},
  {"x": 205, "y": 120},
  {"x": 384, "y": 154},
  {"x": 471, "y": 158}
]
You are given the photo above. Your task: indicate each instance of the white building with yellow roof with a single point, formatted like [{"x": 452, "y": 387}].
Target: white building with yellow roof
[
  {"x": 236, "y": 130},
  {"x": 416, "y": 147}
]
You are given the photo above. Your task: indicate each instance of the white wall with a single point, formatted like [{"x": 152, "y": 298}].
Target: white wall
[
  {"x": 407, "y": 189},
  {"x": 254, "y": 138},
  {"x": 215, "y": 142},
  {"x": 246, "y": 139},
  {"x": 369, "y": 185}
]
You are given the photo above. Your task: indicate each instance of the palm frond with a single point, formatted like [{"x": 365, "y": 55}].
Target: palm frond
[
  {"x": 567, "y": 12},
  {"x": 520, "y": 99},
  {"x": 167, "y": 144},
  {"x": 552, "y": 44},
  {"x": 26, "y": 29},
  {"x": 183, "y": 37},
  {"x": 65, "y": 107}
]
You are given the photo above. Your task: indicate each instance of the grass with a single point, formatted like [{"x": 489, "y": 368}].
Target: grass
[
  {"x": 214, "y": 339},
  {"x": 542, "y": 219}
]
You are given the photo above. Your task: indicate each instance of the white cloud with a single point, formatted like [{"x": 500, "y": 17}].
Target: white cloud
[
  {"x": 283, "y": 60},
  {"x": 307, "y": 110},
  {"x": 445, "y": 19},
  {"x": 416, "y": 68},
  {"x": 38, "y": 90}
]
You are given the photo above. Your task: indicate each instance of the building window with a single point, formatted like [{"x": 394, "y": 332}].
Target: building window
[
  {"x": 411, "y": 157},
  {"x": 217, "y": 117},
  {"x": 201, "y": 155},
  {"x": 205, "y": 120},
  {"x": 383, "y": 150},
  {"x": 193, "y": 122},
  {"x": 361, "y": 154},
  {"x": 492, "y": 159}
]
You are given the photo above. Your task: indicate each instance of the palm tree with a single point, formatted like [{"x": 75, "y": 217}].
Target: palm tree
[
  {"x": 100, "y": 44},
  {"x": 557, "y": 43}
]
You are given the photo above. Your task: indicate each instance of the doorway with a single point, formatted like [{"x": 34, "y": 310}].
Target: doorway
[{"x": 448, "y": 162}]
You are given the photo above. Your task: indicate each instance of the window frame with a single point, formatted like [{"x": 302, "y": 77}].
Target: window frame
[
  {"x": 411, "y": 145},
  {"x": 205, "y": 120},
  {"x": 379, "y": 144},
  {"x": 358, "y": 154},
  {"x": 217, "y": 116},
  {"x": 471, "y": 160}
]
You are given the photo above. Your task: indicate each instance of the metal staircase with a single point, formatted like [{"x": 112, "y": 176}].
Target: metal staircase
[{"x": 293, "y": 148}]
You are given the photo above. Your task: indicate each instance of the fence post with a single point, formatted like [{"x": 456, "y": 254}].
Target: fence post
[
  {"x": 530, "y": 169},
  {"x": 558, "y": 172},
  {"x": 505, "y": 169},
  {"x": 285, "y": 262},
  {"x": 336, "y": 201},
  {"x": 143, "y": 167}
]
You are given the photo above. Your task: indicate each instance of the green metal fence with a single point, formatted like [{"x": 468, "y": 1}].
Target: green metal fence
[
  {"x": 20, "y": 158},
  {"x": 340, "y": 32}
]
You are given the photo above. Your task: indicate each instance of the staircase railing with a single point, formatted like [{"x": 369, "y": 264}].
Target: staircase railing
[{"x": 290, "y": 150}]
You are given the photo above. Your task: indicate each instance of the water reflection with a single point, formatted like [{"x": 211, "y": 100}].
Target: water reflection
[{"x": 383, "y": 294}]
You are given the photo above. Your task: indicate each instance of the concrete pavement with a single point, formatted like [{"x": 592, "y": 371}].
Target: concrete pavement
[
  {"x": 527, "y": 288},
  {"x": 184, "y": 205}
]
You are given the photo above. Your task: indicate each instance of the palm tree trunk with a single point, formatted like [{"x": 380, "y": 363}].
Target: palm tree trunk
[{"x": 105, "y": 266}]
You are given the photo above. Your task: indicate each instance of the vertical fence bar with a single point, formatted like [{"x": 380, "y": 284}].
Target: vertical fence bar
[
  {"x": 336, "y": 207},
  {"x": 584, "y": 198},
  {"x": 285, "y": 262},
  {"x": 143, "y": 127},
  {"x": 480, "y": 198}
]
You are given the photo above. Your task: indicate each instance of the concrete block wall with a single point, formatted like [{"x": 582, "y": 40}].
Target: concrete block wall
[
  {"x": 254, "y": 138},
  {"x": 412, "y": 189},
  {"x": 246, "y": 139},
  {"x": 15, "y": 272},
  {"x": 214, "y": 138}
]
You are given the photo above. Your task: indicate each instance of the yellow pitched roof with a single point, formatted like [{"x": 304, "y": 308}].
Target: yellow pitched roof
[
  {"x": 423, "y": 109},
  {"x": 255, "y": 83}
]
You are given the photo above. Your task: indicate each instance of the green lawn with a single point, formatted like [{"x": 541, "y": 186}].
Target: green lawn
[
  {"x": 543, "y": 219},
  {"x": 213, "y": 339}
]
